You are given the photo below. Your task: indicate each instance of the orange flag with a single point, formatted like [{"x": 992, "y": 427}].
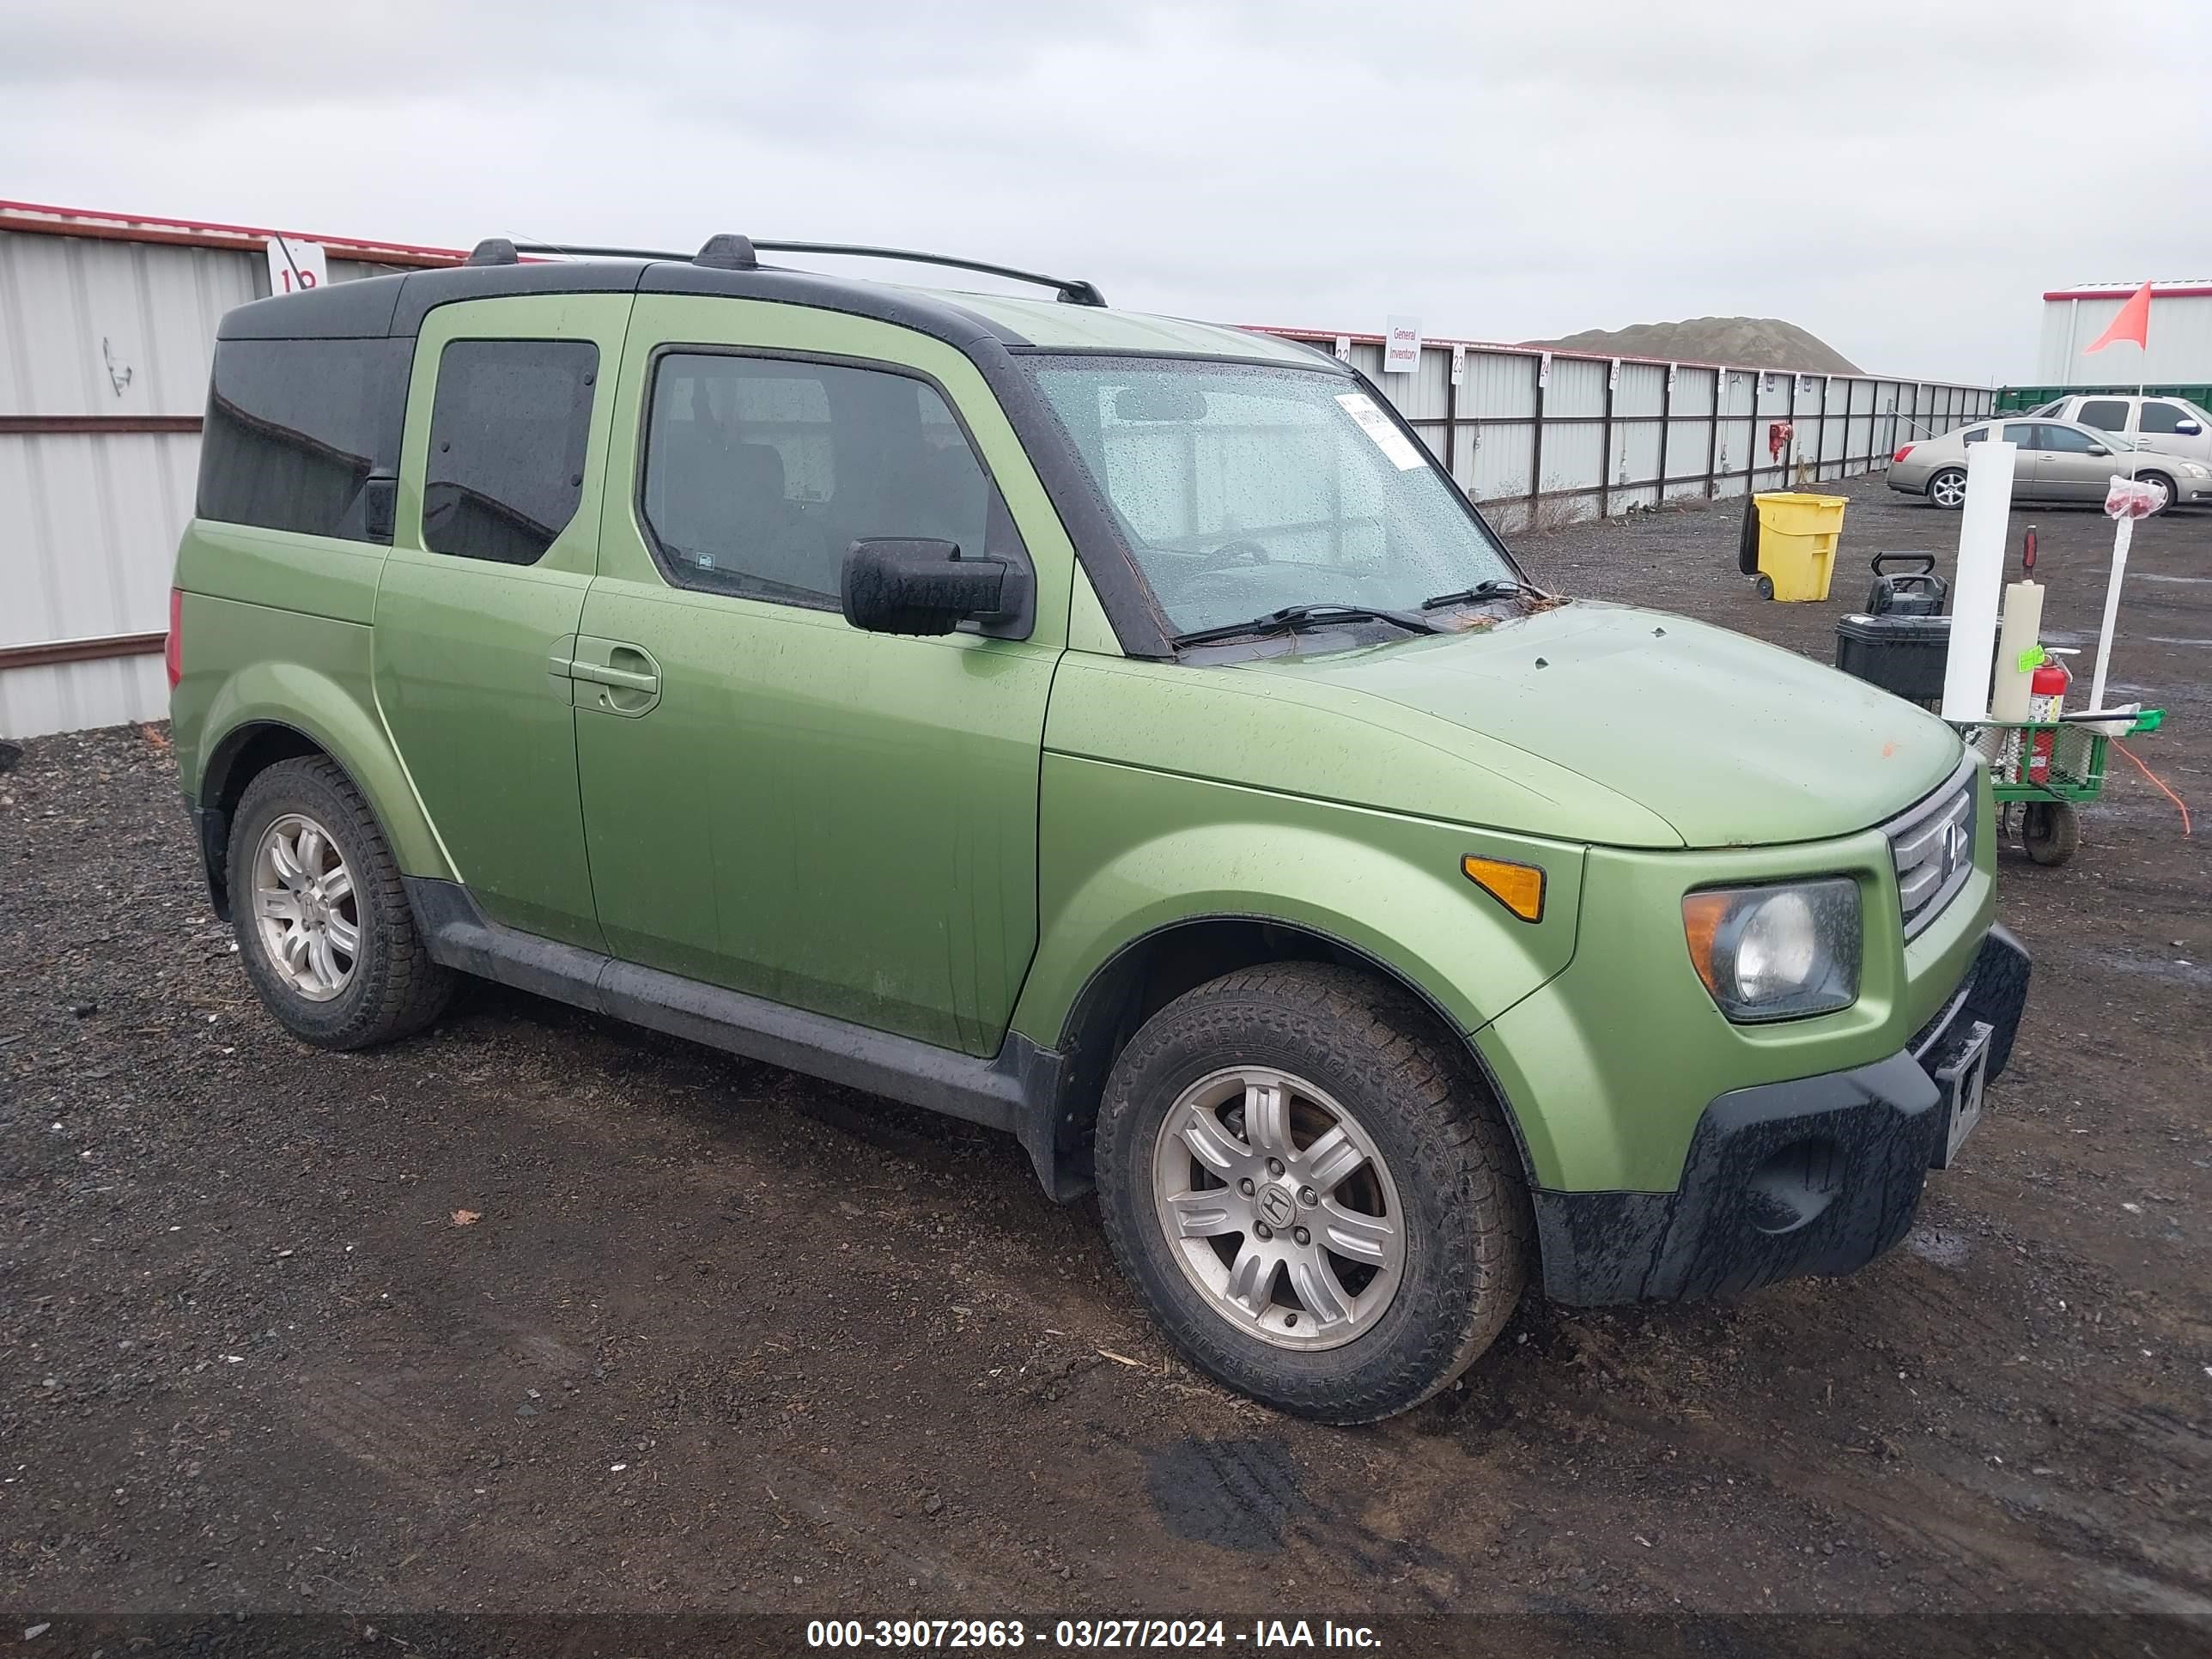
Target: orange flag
[{"x": 2132, "y": 323}]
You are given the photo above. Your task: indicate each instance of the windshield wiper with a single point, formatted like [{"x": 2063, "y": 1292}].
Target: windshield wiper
[
  {"x": 1497, "y": 587},
  {"x": 1291, "y": 617}
]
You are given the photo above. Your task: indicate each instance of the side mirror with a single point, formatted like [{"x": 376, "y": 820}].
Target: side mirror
[
  {"x": 2188, "y": 429},
  {"x": 892, "y": 585},
  {"x": 2099, "y": 449}
]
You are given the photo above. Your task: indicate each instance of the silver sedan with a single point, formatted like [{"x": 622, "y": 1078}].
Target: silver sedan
[{"x": 2059, "y": 461}]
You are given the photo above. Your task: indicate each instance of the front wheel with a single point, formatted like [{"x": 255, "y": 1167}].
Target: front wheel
[
  {"x": 2172, "y": 491},
  {"x": 1947, "y": 489},
  {"x": 1312, "y": 1191}
]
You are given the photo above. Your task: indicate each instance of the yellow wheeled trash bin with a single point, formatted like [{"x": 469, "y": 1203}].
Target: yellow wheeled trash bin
[{"x": 1796, "y": 550}]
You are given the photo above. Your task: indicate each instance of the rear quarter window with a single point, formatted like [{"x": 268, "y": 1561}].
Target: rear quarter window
[
  {"x": 510, "y": 423},
  {"x": 295, "y": 428}
]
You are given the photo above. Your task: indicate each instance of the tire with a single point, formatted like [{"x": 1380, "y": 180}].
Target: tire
[
  {"x": 2051, "y": 831},
  {"x": 2165, "y": 482},
  {"x": 382, "y": 985},
  {"x": 1947, "y": 489},
  {"x": 1437, "y": 1161},
  {"x": 1764, "y": 585}
]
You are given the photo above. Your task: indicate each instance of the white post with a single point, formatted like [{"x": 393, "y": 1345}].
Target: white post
[
  {"x": 2122, "y": 533},
  {"x": 1982, "y": 526}
]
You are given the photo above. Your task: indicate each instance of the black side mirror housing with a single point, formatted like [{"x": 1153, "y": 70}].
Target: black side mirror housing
[{"x": 895, "y": 585}]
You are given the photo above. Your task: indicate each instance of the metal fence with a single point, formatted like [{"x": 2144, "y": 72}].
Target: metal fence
[
  {"x": 107, "y": 324},
  {"x": 1541, "y": 438}
]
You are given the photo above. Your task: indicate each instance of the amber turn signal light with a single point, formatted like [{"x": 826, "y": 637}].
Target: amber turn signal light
[
  {"x": 1702, "y": 915},
  {"x": 1518, "y": 887}
]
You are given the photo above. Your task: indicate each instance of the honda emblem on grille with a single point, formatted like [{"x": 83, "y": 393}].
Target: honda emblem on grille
[{"x": 1954, "y": 848}]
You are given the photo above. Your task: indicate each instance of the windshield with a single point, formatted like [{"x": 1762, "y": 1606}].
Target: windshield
[{"x": 1243, "y": 489}]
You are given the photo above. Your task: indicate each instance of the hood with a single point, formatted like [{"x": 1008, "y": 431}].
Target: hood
[{"x": 1728, "y": 740}]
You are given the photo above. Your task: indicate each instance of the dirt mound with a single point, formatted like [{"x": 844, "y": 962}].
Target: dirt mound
[{"x": 1752, "y": 341}]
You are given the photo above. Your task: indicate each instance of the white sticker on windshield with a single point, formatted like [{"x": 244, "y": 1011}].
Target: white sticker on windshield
[{"x": 1376, "y": 425}]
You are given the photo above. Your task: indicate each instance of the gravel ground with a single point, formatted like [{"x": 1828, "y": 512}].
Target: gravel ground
[{"x": 537, "y": 1314}]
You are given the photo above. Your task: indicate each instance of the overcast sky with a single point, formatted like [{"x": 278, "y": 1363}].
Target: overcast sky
[{"x": 1905, "y": 180}]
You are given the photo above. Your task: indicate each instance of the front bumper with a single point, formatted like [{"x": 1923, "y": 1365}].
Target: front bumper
[{"x": 1817, "y": 1175}]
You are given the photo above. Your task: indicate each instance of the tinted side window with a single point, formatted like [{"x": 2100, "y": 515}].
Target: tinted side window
[
  {"x": 2071, "y": 440},
  {"x": 2162, "y": 417},
  {"x": 2106, "y": 414},
  {"x": 1976, "y": 436},
  {"x": 760, "y": 473},
  {"x": 508, "y": 429},
  {"x": 2028, "y": 434},
  {"x": 294, "y": 429}
]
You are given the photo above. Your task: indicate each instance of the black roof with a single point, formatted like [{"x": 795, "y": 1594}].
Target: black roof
[{"x": 380, "y": 306}]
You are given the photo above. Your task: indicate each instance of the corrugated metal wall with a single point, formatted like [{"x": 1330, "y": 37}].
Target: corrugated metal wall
[
  {"x": 2180, "y": 333},
  {"x": 106, "y": 330},
  {"x": 1541, "y": 442},
  {"x": 105, "y": 343}
]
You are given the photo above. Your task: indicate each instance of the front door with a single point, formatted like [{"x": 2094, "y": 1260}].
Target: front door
[
  {"x": 2067, "y": 467},
  {"x": 778, "y": 803},
  {"x": 494, "y": 544}
]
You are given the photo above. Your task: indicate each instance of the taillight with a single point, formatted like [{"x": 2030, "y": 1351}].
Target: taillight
[
  {"x": 172, "y": 653},
  {"x": 1901, "y": 453}
]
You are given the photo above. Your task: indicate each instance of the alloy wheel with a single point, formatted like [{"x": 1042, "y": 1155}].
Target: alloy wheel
[
  {"x": 305, "y": 907},
  {"x": 1279, "y": 1207}
]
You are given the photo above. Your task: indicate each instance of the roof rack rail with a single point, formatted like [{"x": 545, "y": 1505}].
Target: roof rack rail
[
  {"x": 726, "y": 251},
  {"x": 575, "y": 252},
  {"x": 1073, "y": 290}
]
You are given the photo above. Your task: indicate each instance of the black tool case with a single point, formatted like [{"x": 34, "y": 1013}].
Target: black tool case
[{"x": 1903, "y": 655}]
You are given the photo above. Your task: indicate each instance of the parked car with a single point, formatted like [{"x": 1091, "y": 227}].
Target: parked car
[
  {"x": 2173, "y": 425},
  {"x": 1111, "y": 729},
  {"x": 2058, "y": 461}
]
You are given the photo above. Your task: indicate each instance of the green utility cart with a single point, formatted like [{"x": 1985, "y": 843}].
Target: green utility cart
[{"x": 2044, "y": 769}]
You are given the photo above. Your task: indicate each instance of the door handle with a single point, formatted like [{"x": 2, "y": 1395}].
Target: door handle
[{"x": 627, "y": 679}]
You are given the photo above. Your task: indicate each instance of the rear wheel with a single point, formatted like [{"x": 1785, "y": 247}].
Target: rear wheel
[
  {"x": 2051, "y": 831},
  {"x": 1947, "y": 489},
  {"x": 1764, "y": 585},
  {"x": 322, "y": 920},
  {"x": 1315, "y": 1195}
]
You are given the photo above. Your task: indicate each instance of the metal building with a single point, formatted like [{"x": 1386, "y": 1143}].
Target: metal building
[
  {"x": 107, "y": 326},
  {"x": 2180, "y": 349},
  {"x": 106, "y": 329}
]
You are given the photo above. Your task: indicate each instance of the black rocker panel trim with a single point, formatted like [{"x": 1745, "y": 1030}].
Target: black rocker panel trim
[{"x": 1021, "y": 1091}]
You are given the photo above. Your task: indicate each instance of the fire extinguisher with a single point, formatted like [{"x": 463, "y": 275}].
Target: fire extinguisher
[{"x": 2046, "y": 700}]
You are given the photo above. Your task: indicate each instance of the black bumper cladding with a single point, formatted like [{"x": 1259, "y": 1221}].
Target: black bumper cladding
[{"x": 1817, "y": 1175}]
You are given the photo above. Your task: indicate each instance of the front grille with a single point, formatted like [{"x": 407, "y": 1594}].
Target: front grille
[{"x": 1933, "y": 848}]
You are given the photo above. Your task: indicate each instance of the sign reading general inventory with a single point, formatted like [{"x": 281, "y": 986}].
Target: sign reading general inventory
[
  {"x": 297, "y": 264},
  {"x": 1401, "y": 346}
]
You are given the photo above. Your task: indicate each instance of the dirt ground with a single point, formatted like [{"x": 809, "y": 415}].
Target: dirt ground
[{"x": 722, "y": 1339}]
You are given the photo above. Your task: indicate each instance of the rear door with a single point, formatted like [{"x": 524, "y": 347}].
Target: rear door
[
  {"x": 775, "y": 801},
  {"x": 2112, "y": 414},
  {"x": 494, "y": 542}
]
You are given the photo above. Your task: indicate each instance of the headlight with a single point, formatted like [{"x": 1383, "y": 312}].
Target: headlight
[
  {"x": 2195, "y": 470},
  {"x": 1776, "y": 952}
]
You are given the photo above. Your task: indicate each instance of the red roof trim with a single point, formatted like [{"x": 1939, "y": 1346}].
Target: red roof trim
[
  {"x": 2180, "y": 291},
  {"x": 213, "y": 228}
]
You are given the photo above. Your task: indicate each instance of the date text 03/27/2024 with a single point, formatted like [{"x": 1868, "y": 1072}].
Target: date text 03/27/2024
[{"x": 1261, "y": 1635}]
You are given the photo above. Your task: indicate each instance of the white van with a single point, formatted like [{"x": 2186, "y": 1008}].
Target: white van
[{"x": 2172, "y": 424}]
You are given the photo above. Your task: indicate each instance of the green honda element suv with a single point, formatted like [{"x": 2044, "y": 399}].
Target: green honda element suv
[{"x": 1115, "y": 730}]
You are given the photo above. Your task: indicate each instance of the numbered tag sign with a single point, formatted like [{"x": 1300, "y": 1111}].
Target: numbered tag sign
[{"x": 297, "y": 264}]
